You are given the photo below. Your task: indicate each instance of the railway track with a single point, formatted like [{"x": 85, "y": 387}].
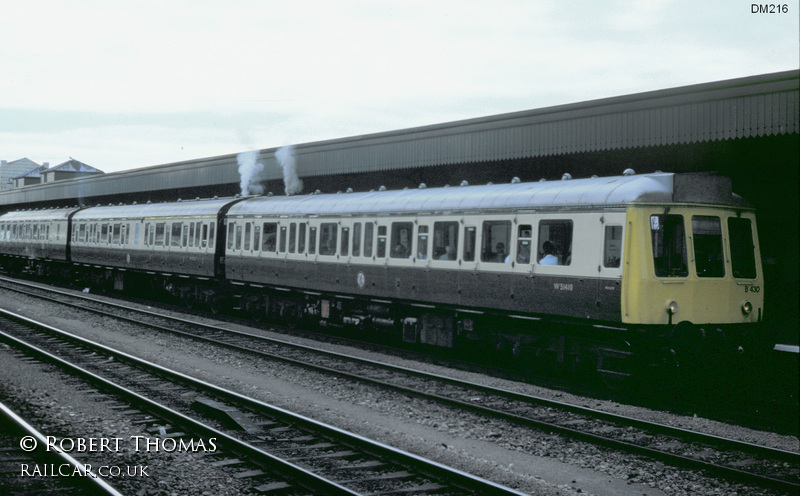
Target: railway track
[
  {"x": 27, "y": 468},
  {"x": 293, "y": 452},
  {"x": 720, "y": 457}
]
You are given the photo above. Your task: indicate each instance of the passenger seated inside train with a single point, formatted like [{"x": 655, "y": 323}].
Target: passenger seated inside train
[
  {"x": 448, "y": 254},
  {"x": 549, "y": 257},
  {"x": 524, "y": 252}
]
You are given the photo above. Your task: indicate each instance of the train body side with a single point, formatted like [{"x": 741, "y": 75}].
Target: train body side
[
  {"x": 36, "y": 234},
  {"x": 583, "y": 287},
  {"x": 175, "y": 239}
]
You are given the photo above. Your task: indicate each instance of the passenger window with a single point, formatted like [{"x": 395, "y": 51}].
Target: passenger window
[
  {"x": 185, "y": 240},
  {"x": 175, "y": 237},
  {"x": 707, "y": 232},
  {"x": 238, "y": 238},
  {"x": 211, "y": 240},
  {"x": 555, "y": 242},
  {"x": 524, "y": 233},
  {"x": 231, "y": 230},
  {"x": 369, "y": 231},
  {"x": 445, "y": 240},
  {"x": 292, "y": 237},
  {"x": 496, "y": 240},
  {"x": 357, "y": 239},
  {"x": 136, "y": 235},
  {"x": 301, "y": 238},
  {"x": 422, "y": 242},
  {"x": 197, "y": 233},
  {"x": 82, "y": 232},
  {"x": 206, "y": 234},
  {"x": 327, "y": 241},
  {"x": 381, "y": 241},
  {"x": 312, "y": 240},
  {"x": 191, "y": 235},
  {"x": 743, "y": 259},
  {"x": 669, "y": 245},
  {"x": 247, "y": 236},
  {"x": 612, "y": 246},
  {"x": 345, "y": 241},
  {"x": 401, "y": 239},
  {"x": 282, "y": 240},
  {"x": 160, "y": 232},
  {"x": 256, "y": 237},
  {"x": 268, "y": 242}
]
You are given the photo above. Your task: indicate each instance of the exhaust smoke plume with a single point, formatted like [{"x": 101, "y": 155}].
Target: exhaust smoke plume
[
  {"x": 249, "y": 168},
  {"x": 292, "y": 183}
]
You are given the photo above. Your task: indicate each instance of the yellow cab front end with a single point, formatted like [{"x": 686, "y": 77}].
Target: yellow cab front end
[{"x": 693, "y": 278}]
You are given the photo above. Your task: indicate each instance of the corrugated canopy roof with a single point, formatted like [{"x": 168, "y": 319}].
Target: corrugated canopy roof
[{"x": 754, "y": 106}]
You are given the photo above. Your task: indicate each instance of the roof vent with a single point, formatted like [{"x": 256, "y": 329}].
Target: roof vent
[
  {"x": 628, "y": 172},
  {"x": 566, "y": 177},
  {"x": 237, "y": 195},
  {"x": 349, "y": 190},
  {"x": 464, "y": 183},
  {"x": 405, "y": 189},
  {"x": 135, "y": 203},
  {"x": 180, "y": 200},
  {"x": 542, "y": 180},
  {"x": 490, "y": 183},
  {"x": 515, "y": 180},
  {"x": 216, "y": 197},
  {"x": 197, "y": 198},
  {"x": 446, "y": 185},
  {"x": 382, "y": 188},
  {"x": 422, "y": 186},
  {"x": 149, "y": 202},
  {"x": 269, "y": 193},
  {"x": 317, "y": 192}
]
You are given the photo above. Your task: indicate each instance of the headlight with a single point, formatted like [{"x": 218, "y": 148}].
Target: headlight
[
  {"x": 672, "y": 307},
  {"x": 747, "y": 307}
]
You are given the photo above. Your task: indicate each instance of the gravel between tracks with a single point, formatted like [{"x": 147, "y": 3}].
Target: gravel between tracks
[{"x": 532, "y": 462}]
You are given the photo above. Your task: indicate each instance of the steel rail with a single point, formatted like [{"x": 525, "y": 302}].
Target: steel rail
[
  {"x": 88, "y": 478},
  {"x": 455, "y": 477},
  {"x": 685, "y": 435}
]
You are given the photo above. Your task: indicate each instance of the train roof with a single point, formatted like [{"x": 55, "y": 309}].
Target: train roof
[
  {"x": 578, "y": 193},
  {"x": 192, "y": 208},
  {"x": 39, "y": 214}
]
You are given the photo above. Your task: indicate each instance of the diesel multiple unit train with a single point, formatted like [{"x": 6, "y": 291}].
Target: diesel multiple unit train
[{"x": 604, "y": 272}]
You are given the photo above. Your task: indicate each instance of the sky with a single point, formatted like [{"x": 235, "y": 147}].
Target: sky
[{"x": 120, "y": 85}]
